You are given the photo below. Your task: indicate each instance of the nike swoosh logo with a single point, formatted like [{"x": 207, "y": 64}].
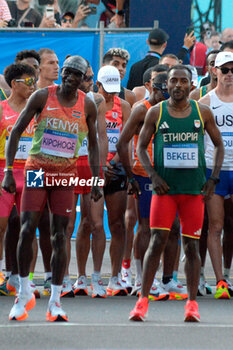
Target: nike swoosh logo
[
  {"x": 68, "y": 210},
  {"x": 12, "y": 116},
  {"x": 216, "y": 107},
  {"x": 52, "y": 108}
]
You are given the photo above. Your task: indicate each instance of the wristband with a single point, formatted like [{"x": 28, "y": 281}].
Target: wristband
[
  {"x": 120, "y": 12},
  {"x": 215, "y": 179},
  {"x": 131, "y": 180},
  {"x": 112, "y": 163}
]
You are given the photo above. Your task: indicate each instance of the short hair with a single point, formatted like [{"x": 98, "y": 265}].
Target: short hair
[
  {"x": 45, "y": 50},
  {"x": 147, "y": 75},
  {"x": 160, "y": 78},
  {"x": 16, "y": 70},
  {"x": 214, "y": 33},
  {"x": 212, "y": 52},
  {"x": 227, "y": 45},
  {"x": 180, "y": 67},
  {"x": 21, "y": 55},
  {"x": 116, "y": 51},
  {"x": 170, "y": 55},
  {"x": 160, "y": 68}
]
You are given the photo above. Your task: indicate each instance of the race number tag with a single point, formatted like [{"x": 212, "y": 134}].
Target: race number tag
[
  {"x": 181, "y": 156},
  {"x": 227, "y": 140},
  {"x": 58, "y": 143},
  {"x": 113, "y": 137},
  {"x": 25, "y": 144}
]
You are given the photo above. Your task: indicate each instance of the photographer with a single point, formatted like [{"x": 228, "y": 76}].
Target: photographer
[
  {"x": 22, "y": 15},
  {"x": 5, "y": 15}
]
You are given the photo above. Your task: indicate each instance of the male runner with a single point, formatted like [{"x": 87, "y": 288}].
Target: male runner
[
  {"x": 49, "y": 68},
  {"x": 220, "y": 101},
  {"x": 64, "y": 116},
  {"x": 178, "y": 180}
]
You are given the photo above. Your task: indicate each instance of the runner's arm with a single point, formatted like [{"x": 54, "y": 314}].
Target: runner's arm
[{"x": 102, "y": 133}]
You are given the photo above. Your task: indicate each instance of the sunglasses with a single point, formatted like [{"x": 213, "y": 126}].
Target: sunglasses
[
  {"x": 225, "y": 70},
  {"x": 160, "y": 86},
  {"x": 67, "y": 20},
  {"x": 88, "y": 78},
  {"x": 27, "y": 81}
]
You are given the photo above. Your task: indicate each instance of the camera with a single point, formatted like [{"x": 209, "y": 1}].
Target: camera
[
  {"x": 11, "y": 23},
  {"x": 92, "y": 8},
  {"x": 46, "y": 2}
]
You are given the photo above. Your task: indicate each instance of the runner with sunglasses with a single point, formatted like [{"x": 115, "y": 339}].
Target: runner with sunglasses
[
  {"x": 22, "y": 80},
  {"x": 220, "y": 101}
]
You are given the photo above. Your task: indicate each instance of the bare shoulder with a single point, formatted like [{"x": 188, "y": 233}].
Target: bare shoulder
[
  {"x": 130, "y": 96},
  {"x": 205, "y": 100},
  {"x": 195, "y": 94}
]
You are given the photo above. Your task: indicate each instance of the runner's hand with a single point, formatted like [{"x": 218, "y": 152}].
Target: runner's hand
[
  {"x": 8, "y": 182},
  {"x": 134, "y": 188},
  {"x": 96, "y": 193},
  {"x": 208, "y": 189},
  {"x": 159, "y": 185}
]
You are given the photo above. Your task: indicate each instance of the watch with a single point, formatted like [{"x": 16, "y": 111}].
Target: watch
[
  {"x": 215, "y": 179},
  {"x": 120, "y": 12}
]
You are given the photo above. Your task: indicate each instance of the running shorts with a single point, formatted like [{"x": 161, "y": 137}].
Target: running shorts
[
  {"x": 225, "y": 186},
  {"x": 144, "y": 199}
]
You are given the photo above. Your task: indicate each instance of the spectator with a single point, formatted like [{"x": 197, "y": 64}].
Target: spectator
[
  {"x": 169, "y": 59},
  {"x": 157, "y": 42},
  {"x": 67, "y": 20},
  {"x": 228, "y": 46},
  {"x": 116, "y": 13},
  {"x": 215, "y": 41},
  {"x": 227, "y": 35},
  {"x": 5, "y": 15},
  {"x": 22, "y": 13}
]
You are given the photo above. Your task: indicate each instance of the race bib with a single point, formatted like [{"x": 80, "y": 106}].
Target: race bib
[
  {"x": 83, "y": 150},
  {"x": 227, "y": 140},
  {"x": 181, "y": 156},
  {"x": 113, "y": 137},
  {"x": 58, "y": 143},
  {"x": 25, "y": 144}
]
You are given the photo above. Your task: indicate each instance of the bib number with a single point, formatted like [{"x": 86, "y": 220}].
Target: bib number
[
  {"x": 113, "y": 137},
  {"x": 58, "y": 143},
  {"x": 25, "y": 144},
  {"x": 181, "y": 156}
]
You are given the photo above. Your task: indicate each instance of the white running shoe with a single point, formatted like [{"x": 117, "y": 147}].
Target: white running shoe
[
  {"x": 203, "y": 287},
  {"x": 157, "y": 292},
  {"x": 137, "y": 287},
  {"x": 67, "y": 288},
  {"x": 34, "y": 289},
  {"x": 126, "y": 276},
  {"x": 80, "y": 286},
  {"x": 115, "y": 288},
  {"x": 56, "y": 313},
  {"x": 21, "y": 306},
  {"x": 97, "y": 287},
  {"x": 176, "y": 290}
]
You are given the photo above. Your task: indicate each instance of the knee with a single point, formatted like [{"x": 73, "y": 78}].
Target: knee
[
  {"x": 98, "y": 228},
  {"x": 117, "y": 227},
  {"x": 191, "y": 249},
  {"x": 85, "y": 227},
  {"x": 58, "y": 239},
  {"x": 158, "y": 240}
]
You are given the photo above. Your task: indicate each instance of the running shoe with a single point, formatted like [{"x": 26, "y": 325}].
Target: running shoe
[
  {"x": 13, "y": 284},
  {"x": 80, "y": 286},
  {"x": 3, "y": 288},
  {"x": 2, "y": 277},
  {"x": 203, "y": 287},
  {"x": 47, "y": 286},
  {"x": 126, "y": 276},
  {"x": 208, "y": 288},
  {"x": 157, "y": 292},
  {"x": 97, "y": 287},
  {"x": 34, "y": 289},
  {"x": 21, "y": 306},
  {"x": 115, "y": 288},
  {"x": 140, "y": 311},
  {"x": 230, "y": 288},
  {"x": 191, "y": 311},
  {"x": 137, "y": 287},
  {"x": 222, "y": 291},
  {"x": 176, "y": 290},
  {"x": 67, "y": 288},
  {"x": 55, "y": 313}
]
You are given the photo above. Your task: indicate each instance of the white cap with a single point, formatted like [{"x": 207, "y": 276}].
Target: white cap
[
  {"x": 194, "y": 74},
  {"x": 223, "y": 57},
  {"x": 109, "y": 77}
]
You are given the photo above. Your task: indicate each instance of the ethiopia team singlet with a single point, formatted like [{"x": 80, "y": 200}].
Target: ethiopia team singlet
[
  {"x": 114, "y": 126},
  {"x": 9, "y": 118},
  {"x": 179, "y": 151},
  {"x": 59, "y": 135},
  {"x": 137, "y": 166}
]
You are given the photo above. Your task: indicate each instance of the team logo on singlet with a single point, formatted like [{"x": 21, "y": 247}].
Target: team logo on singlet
[
  {"x": 114, "y": 115},
  {"x": 35, "y": 178},
  {"x": 197, "y": 124},
  {"x": 76, "y": 114}
]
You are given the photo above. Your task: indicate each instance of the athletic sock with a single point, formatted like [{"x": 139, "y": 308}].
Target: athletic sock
[
  {"x": 96, "y": 274},
  {"x": 47, "y": 275},
  {"x": 23, "y": 285},
  {"x": 138, "y": 266},
  {"x": 31, "y": 274},
  {"x": 202, "y": 271},
  {"x": 55, "y": 293},
  {"x": 8, "y": 273},
  {"x": 174, "y": 275},
  {"x": 167, "y": 279},
  {"x": 126, "y": 263},
  {"x": 1, "y": 262},
  {"x": 226, "y": 273}
]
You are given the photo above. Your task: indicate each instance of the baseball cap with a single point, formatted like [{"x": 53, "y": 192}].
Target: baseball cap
[
  {"x": 109, "y": 77},
  {"x": 76, "y": 62},
  {"x": 158, "y": 37},
  {"x": 223, "y": 57}
]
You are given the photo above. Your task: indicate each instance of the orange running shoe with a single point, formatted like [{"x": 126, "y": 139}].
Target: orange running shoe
[
  {"x": 140, "y": 311},
  {"x": 55, "y": 313},
  {"x": 2, "y": 277},
  {"x": 191, "y": 312},
  {"x": 222, "y": 291}
]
